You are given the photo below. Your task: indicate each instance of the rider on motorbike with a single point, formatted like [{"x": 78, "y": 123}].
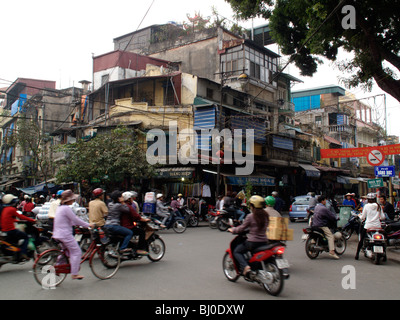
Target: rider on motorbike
[
  {"x": 257, "y": 223},
  {"x": 323, "y": 219},
  {"x": 128, "y": 221},
  {"x": 372, "y": 214},
  {"x": 8, "y": 216},
  {"x": 270, "y": 203},
  {"x": 97, "y": 208}
]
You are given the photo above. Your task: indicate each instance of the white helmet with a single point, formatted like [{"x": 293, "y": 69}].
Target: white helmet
[
  {"x": 126, "y": 195},
  {"x": 371, "y": 196},
  {"x": 9, "y": 199},
  {"x": 159, "y": 195},
  {"x": 133, "y": 194}
]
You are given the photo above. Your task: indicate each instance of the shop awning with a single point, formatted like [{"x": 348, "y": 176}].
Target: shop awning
[
  {"x": 310, "y": 170},
  {"x": 350, "y": 180},
  {"x": 10, "y": 182}
]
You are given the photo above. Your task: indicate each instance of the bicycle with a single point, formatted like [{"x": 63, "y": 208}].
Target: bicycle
[{"x": 52, "y": 266}]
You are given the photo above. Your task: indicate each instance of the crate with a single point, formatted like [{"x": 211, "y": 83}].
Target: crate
[
  {"x": 279, "y": 234},
  {"x": 278, "y": 222},
  {"x": 149, "y": 208}
]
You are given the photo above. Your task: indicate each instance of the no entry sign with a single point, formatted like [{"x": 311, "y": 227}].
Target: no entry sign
[{"x": 375, "y": 157}]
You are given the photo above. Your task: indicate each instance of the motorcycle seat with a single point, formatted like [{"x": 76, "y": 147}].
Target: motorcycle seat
[
  {"x": 375, "y": 230},
  {"x": 266, "y": 247}
]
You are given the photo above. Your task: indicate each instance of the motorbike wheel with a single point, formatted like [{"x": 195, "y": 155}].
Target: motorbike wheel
[
  {"x": 179, "y": 226},
  {"x": 276, "y": 286},
  {"x": 340, "y": 245},
  {"x": 229, "y": 268},
  {"x": 193, "y": 221},
  {"x": 347, "y": 233},
  {"x": 311, "y": 251},
  {"x": 223, "y": 224},
  {"x": 156, "y": 249}
]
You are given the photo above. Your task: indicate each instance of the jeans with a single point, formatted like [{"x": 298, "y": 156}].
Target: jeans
[
  {"x": 242, "y": 249},
  {"x": 116, "y": 229},
  {"x": 15, "y": 235}
]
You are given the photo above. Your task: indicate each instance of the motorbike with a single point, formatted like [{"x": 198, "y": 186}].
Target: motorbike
[
  {"x": 154, "y": 243},
  {"x": 227, "y": 218},
  {"x": 10, "y": 252},
  {"x": 392, "y": 234},
  {"x": 374, "y": 245},
  {"x": 268, "y": 267},
  {"x": 212, "y": 218},
  {"x": 317, "y": 243},
  {"x": 353, "y": 225},
  {"x": 310, "y": 215},
  {"x": 189, "y": 216},
  {"x": 177, "y": 223}
]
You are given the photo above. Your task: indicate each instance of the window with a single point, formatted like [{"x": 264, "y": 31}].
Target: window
[{"x": 104, "y": 79}]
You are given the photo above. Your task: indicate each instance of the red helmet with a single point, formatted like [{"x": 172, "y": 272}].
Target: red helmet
[{"x": 97, "y": 192}]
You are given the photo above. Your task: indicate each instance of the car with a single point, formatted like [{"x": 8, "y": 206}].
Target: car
[{"x": 299, "y": 207}]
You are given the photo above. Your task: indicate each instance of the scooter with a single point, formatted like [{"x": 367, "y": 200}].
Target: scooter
[
  {"x": 189, "y": 216},
  {"x": 177, "y": 223},
  {"x": 154, "y": 243},
  {"x": 212, "y": 217},
  {"x": 317, "y": 243},
  {"x": 268, "y": 267},
  {"x": 353, "y": 225},
  {"x": 10, "y": 252},
  {"x": 392, "y": 234},
  {"x": 374, "y": 245}
]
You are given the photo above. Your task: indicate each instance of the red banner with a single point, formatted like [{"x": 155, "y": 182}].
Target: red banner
[{"x": 359, "y": 152}]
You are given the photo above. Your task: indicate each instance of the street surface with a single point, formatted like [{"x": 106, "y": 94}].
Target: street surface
[{"x": 192, "y": 270}]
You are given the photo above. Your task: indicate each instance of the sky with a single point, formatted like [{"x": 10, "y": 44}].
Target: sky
[{"x": 55, "y": 40}]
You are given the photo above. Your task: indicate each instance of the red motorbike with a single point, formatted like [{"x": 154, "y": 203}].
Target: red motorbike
[{"x": 268, "y": 267}]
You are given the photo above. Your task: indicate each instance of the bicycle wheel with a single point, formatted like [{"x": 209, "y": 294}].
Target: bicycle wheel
[
  {"x": 104, "y": 262},
  {"x": 51, "y": 268}
]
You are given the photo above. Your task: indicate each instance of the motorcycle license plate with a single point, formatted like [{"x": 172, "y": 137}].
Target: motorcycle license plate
[
  {"x": 282, "y": 263},
  {"x": 378, "y": 249},
  {"x": 78, "y": 237}
]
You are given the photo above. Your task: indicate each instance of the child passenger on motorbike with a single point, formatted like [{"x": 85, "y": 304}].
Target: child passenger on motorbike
[{"x": 257, "y": 223}]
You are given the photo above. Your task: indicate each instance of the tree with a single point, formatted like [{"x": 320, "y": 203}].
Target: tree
[
  {"x": 308, "y": 29},
  {"x": 109, "y": 157},
  {"x": 33, "y": 143}
]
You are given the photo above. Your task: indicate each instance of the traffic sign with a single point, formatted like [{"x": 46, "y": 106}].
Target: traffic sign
[
  {"x": 388, "y": 171},
  {"x": 375, "y": 183},
  {"x": 375, "y": 157}
]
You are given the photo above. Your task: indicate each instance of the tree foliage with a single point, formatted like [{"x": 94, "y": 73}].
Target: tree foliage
[
  {"x": 109, "y": 157},
  {"x": 308, "y": 29}
]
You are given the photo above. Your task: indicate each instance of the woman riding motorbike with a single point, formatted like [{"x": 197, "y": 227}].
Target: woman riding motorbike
[{"x": 257, "y": 223}]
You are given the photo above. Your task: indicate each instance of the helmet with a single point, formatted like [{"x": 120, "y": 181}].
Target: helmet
[
  {"x": 127, "y": 195},
  {"x": 9, "y": 199},
  {"x": 159, "y": 195},
  {"x": 59, "y": 192},
  {"x": 134, "y": 194},
  {"x": 180, "y": 195},
  {"x": 257, "y": 201},
  {"x": 270, "y": 201},
  {"x": 97, "y": 192},
  {"x": 274, "y": 193},
  {"x": 371, "y": 196}
]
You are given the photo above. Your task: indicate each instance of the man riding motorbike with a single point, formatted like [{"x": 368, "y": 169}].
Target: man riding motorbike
[
  {"x": 257, "y": 223},
  {"x": 97, "y": 208},
  {"x": 128, "y": 219},
  {"x": 8, "y": 218},
  {"x": 324, "y": 219}
]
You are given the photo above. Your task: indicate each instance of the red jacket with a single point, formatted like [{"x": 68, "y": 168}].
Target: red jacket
[
  {"x": 8, "y": 217},
  {"x": 28, "y": 207},
  {"x": 127, "y": 219}
]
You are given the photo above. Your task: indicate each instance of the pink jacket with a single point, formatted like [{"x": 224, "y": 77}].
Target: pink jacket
[{"x": 64, "y": 221}]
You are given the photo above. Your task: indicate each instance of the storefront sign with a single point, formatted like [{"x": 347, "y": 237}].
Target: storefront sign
[
  {"x": 255, "y": 181},
  {"x": 359, "y": 152}
]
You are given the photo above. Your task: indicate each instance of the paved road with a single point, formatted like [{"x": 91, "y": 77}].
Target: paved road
[{"x": 192, "y": 269}]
